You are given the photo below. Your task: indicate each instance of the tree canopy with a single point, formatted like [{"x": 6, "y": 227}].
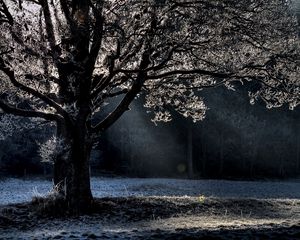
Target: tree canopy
[{"x": 165, "y": 49}]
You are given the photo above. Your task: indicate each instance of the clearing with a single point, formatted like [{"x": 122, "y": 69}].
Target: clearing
[{"x": 160, "y": 209}]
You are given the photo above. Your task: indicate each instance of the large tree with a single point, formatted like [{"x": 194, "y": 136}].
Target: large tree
[{"x": 64, "y": 60}]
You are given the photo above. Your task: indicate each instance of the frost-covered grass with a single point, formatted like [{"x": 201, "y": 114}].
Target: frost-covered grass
[
  {"x": 160, "y": 218},
  {"x": 14, "y": 190},
  {"x": 162, "y": 209}
]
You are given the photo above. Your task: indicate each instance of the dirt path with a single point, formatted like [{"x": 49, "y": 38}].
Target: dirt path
[{"x": 161, "y": 218}]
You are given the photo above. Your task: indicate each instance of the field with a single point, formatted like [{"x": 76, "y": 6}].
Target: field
[{"x": 160, "y": 209}]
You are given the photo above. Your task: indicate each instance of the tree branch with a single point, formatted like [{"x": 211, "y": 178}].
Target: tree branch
[
  {"x": 97, "y": 38},
  {"x": 27, "y": 113},
  {"x": 121, "y": 108},
  {"x": 66, "y": 11},
  {"x": 49, "y": 28},
  {"x": 6, "y": 12},
  {"x": 128, "y": 98},
  {"x": 186, "y": 72},
  {"x": 35, "y": 93}
]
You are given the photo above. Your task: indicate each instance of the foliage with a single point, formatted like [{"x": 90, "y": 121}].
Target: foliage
[
  {"x": 166, "y": 49},
  {"x": 50, "y": 149}
]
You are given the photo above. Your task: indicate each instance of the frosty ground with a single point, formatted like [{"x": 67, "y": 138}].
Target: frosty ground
[{"x": 161, "y": 209}]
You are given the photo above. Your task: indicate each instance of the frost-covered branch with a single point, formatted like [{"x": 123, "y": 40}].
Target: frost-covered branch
[
  {"x": 5, "y": 15},
  {"x": 77, "y": 55},
  {"x": 9, "y": 109},
  {"x": 32, "y": 91}
]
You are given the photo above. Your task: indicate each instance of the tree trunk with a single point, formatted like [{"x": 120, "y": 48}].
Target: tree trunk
[
  {"x": 203, "y": 148},
  {"x": 253, "y": 160},
  {"x": 298, "y": 149},
  {"x": 190, "y": 151},
  {"x": 71, "y": 169},
  {"x": 221, "y": 155},
  {"x": 78, "y": 189}
]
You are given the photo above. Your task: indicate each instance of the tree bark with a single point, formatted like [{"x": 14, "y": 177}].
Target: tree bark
[
  {"x": 298, "y": 145},
  {"x": 221, "y": 154},
  {"x": 71, "y": 169},
  {"x": 203, "y": 149},
  {"x": 190, "y": 151},
  {"x": 78, "y": 189}
]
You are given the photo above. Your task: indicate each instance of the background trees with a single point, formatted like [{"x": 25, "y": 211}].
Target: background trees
[
  {"x": 65, "y": 60},
  {"x": 255, "y": 141}
]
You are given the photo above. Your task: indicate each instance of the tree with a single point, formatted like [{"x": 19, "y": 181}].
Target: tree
[{"x": 64, "y": 60}]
